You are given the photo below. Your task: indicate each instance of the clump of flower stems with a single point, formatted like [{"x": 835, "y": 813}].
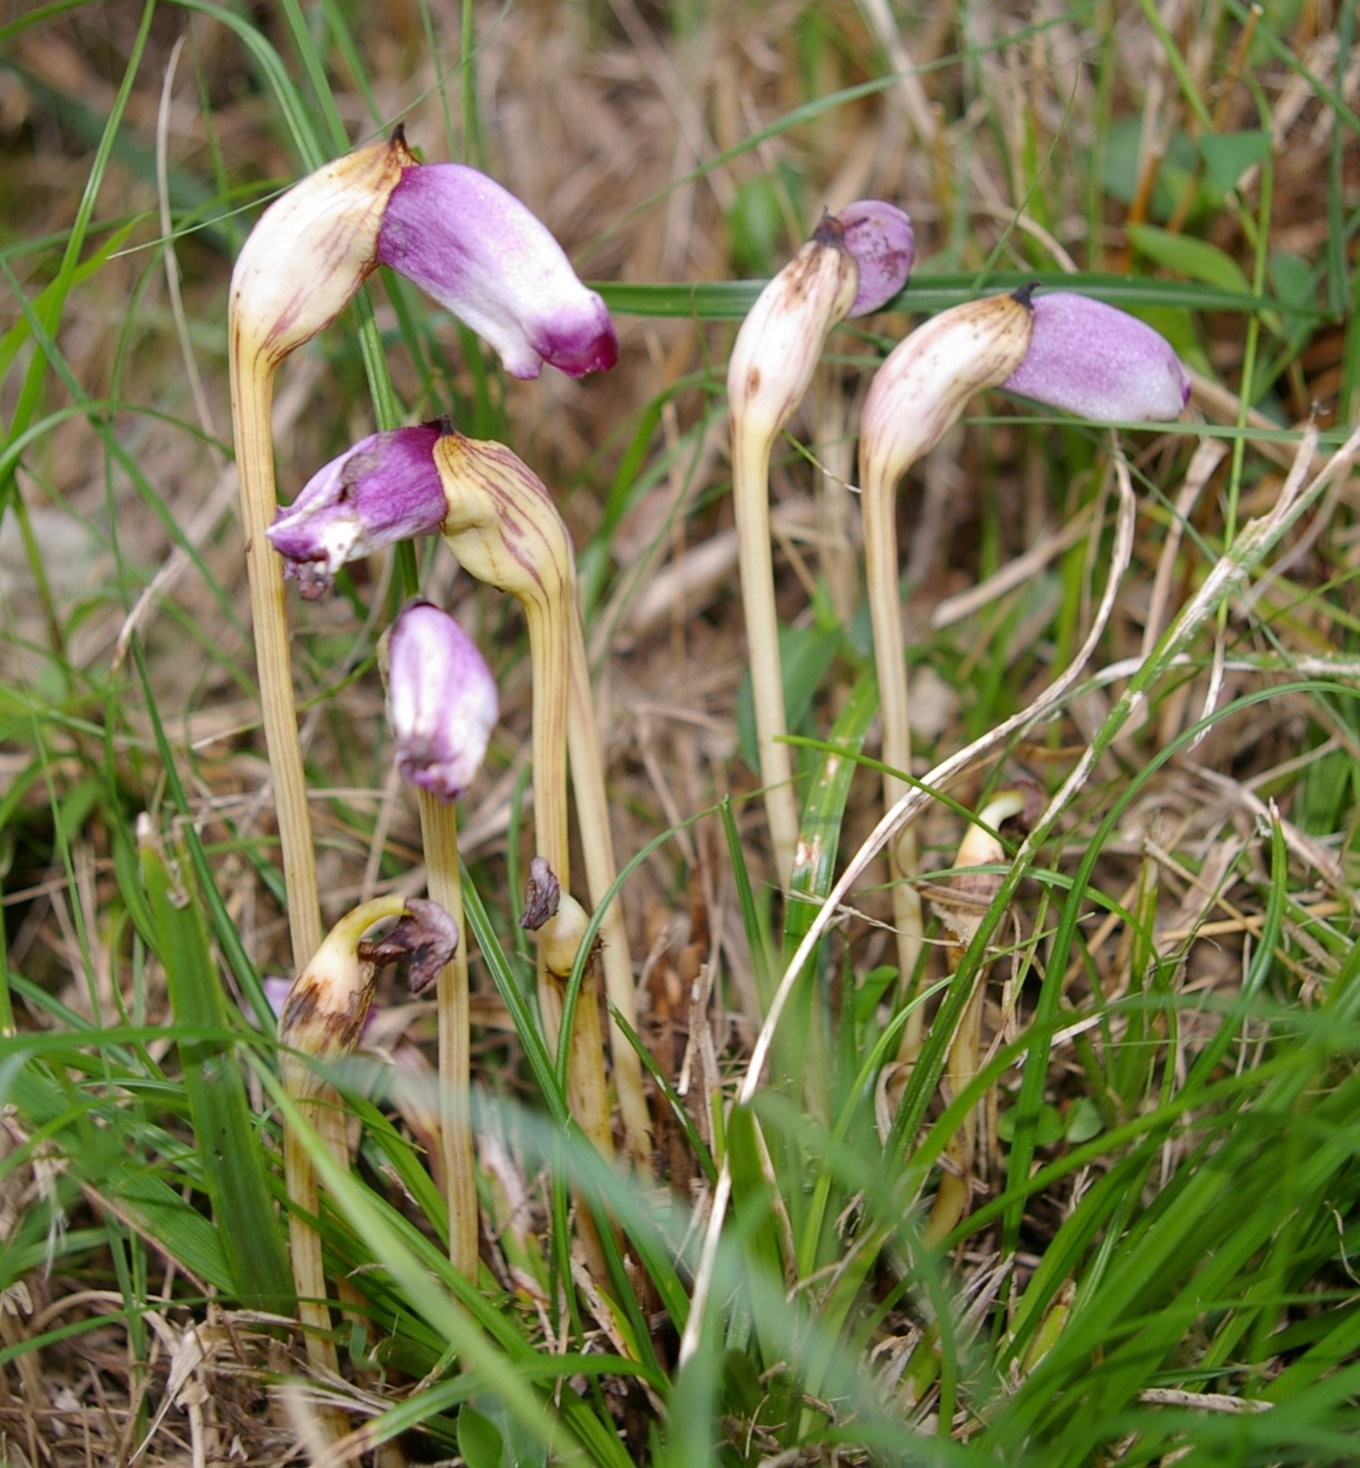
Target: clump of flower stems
[
  {"x": 485, "y": 257},
  {"x": 480, "y": 253}
]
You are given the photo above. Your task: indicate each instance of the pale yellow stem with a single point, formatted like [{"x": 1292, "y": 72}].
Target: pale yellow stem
[
  {"x": 444, "y": 884},
  {"x": 977, "y": 849},
  {"x": 309, "y": 1278},
  {"x": 878, "y": 494},
  {"x": 549, "y": 652},
  {"x": 751, "y": 445},
  {"x": 319, "y": 1105},
  {"x": 252, "y": 378},
  {"x": 597, "y": 846},
  {"x": 504, "y": 529}
]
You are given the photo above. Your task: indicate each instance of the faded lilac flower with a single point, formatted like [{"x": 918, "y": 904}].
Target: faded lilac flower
[
  {"x": 1099, "y": 363},
  {"x": 441, "y": 701},
  {"x": 881, "y": 239},
  {"x": 383, "y": 490},
  {"x": 478, "y": 251}
]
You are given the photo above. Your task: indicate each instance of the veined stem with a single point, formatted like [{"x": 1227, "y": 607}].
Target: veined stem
[
  {"x": 504, "y": 529},
  {"x": 252, "y": 379},
  {"x": 304, "y": 1250},
  {"x": 597, "y": 845},
  {"x": 878, "y": 494},
  {"x": 751, "y": 507},
  {"x": 444, "y": 884},
  {"x": 309, "y": 1273},
  {"x": 549, "y": 651},
  {"x": 587, "y": 1092}
]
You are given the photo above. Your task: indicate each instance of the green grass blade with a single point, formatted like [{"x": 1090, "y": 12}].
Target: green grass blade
[{"x": 229, "y": 1143}]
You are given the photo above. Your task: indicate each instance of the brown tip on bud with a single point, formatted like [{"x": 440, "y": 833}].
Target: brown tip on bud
[
  {"x": 425, "y": 935},
  {"x": 542, "y": 895},
  {"x": 1025, "y": 293},
  {"x": 444, "y": 423},
  {"x": 399, "y": 134},
  {"x": 829, "y": 231}
]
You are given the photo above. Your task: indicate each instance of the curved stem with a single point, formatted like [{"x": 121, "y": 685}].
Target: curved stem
[
  {"x": 252, "y": 380},
  {"x": 504, "y": 529}
]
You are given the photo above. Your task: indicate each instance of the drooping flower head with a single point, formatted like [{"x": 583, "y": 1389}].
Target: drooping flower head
[
  {"x": 441, "y": 701},
  {"x": 382, "y": 490},
  {"x": 1099, "y": 363},
  {"x": 455, "y": 232},
  {"x": 311, "y": 250},
  {"x": 322, "y": 1014},
  {"x": 925, "y": 382},
  {"x": 854, "y": 262}
]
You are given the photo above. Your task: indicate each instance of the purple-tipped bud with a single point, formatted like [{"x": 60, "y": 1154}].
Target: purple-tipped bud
[
  {"x": 881, "y": 239},
  {"x": 382, "y": 490},
  {"x": 441, "y": 701},
  {"x": 1099, "y": 363},
  {"x": 481, "y": 253}
]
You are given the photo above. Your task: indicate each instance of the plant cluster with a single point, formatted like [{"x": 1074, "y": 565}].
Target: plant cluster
[{"x": 993, "y": 1103}]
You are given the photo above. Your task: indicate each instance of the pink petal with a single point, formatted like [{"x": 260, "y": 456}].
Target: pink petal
[
  {"x": 482, "y": 254},
  {"x": 1099, "y": 363}
]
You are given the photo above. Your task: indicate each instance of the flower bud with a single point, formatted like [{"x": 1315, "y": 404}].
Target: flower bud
[
  {"x": 926, "y": 380},
  {"x": 482, "y": 254},
  {"x": 555, "y": 918},
  {"x": 1099, "y": 363},
  {"x": 313, "y": 248},
  {"x": 382, "y": 490},
  {"x": 323, "y": 1013},
  {"x": 441, "y": 701},
  {"x": 781, "y": 339},
  {"x": 881, "y": 239},
  {"x": 963, "y": 900},
  {"x": 501, "y": 522}
]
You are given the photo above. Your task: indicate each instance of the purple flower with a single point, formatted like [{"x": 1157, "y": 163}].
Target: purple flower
[
  {"x": 457, "y": 234},
  {"x": 478, "y": 251},
  {"x": 441, "y": 701},
  {"x": 881, "y": 239},
  {"x": 1099, "y": 363},
  {"x": 382, "y": 490}
]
